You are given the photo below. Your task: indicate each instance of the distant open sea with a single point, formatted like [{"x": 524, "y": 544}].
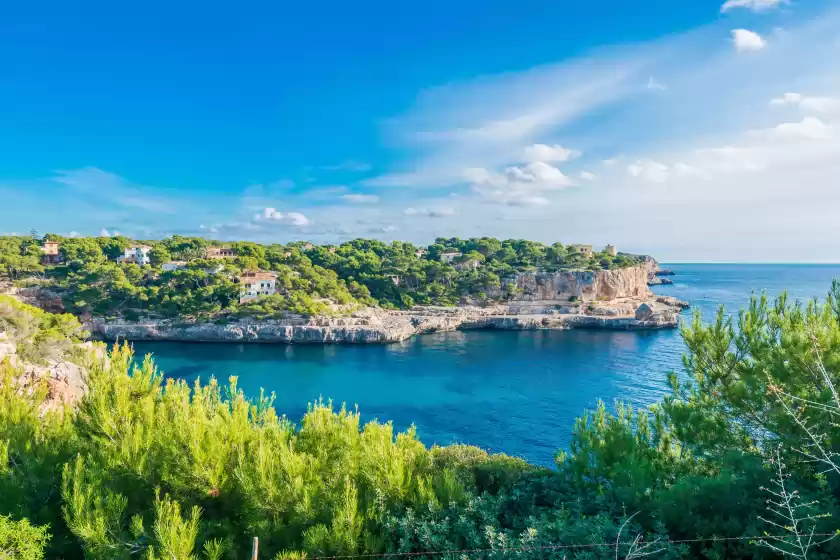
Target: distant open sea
[{"x": 516, "y": 392}]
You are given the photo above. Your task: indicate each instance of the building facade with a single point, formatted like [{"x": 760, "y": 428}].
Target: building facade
[
  {"x": 220, "y": 253},
  {"x": 256, "y": 283},
  {"x": 585, "y": 250},
  {"x": 611, "y": 250},
  {"x": 448, "y": 257},
  {"x": 51, "y": 253},
  {"x": 136, "y": 254}
]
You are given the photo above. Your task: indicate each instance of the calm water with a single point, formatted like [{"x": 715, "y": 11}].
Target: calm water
[{"x": 516, "y": 392}]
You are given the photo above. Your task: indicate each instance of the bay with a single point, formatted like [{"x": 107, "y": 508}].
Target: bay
[{"x": 516, "y": 392}]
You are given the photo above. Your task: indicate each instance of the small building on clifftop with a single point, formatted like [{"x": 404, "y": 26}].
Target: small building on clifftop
[
  {"x": 585, "y": 250},
  {"x": 256, "y": 283}
]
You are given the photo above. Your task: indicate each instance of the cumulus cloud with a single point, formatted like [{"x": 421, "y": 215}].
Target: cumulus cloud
[
  {"x": 271, "y": 215},
  {"x": 808, "y": 104},
  {"x": 73, "y": 234},
  {"x": 811, "y": 128},
  {"x": 544, "y": 152},
  {"x": 747, "y": 41},
  {"x": 609, "y": 162},
  {"x": 430, "y": 213},
  {"x": 105, "y": 233},
  {"x": 649, "y": 170},
  {"x": 587, "y": 176},
  {"x": 754, "y": 5},
  {"x": 361, "y": 198}
]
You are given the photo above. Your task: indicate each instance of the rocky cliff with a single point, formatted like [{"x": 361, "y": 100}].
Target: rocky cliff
[
  {"x": 65, "y": 380},
  {"x": 605, "y": 285},
  {"x": 380, "y": 326}
]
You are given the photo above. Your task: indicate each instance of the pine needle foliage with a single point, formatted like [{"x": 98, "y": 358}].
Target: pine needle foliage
[{"x": 155, "y": 468}]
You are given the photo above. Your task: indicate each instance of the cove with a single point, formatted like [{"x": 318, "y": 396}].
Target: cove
[{"x": 517, "y": 392}]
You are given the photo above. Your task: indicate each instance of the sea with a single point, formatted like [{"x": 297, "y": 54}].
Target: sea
[{"x": 516, "y": 392}]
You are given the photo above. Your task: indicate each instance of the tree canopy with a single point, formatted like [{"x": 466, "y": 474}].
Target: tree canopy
[
  {"x": 152, "y": 467},
  {"x": 320, "y": 280}
]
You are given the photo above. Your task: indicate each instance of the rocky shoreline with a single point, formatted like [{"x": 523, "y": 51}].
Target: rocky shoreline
[{"x": 377, "y": 326}]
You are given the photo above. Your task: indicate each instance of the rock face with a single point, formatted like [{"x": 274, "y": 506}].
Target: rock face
[
  {"x": 583, "y": 285},
  {"x": 655, "y": 273},
  {"x": 644, "y": 312},
  {"x": 380, "y": 326},
  {"x": 65, "y": 380}
]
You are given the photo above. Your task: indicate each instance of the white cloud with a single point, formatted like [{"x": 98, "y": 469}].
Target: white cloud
[
  {"x": 104, "y": 233},
  {"x": 729, "y": 159},
  {"x": 747, "y": 41},
  {"x": 587, "y": 176},
  {"x": 653, "y": 84},
  {"x": 361, "y": 198},
  {"x": 390, "y": 228},
  {"x": 681, "y": 169},
  {"x": 810, "y": 127},
  {"x": 430, "y": 213},
  {"x": 73, "y": 234},
  {"x": 271, "y": 215},
  {"x": 754, "y": 5},
  {"x": 349, "y": 165},
  {"x": 512, "y": 198},
  {"x": 649, "y": 170},
  {"x": 487, "y": 121},
  {"x": 809, "y": 104},
  {"x": 544, "y": 152},
  {"x": 112, "y": 189},
  {"x": 609, "y": 162},
  {"x": 538, "y": 175}
]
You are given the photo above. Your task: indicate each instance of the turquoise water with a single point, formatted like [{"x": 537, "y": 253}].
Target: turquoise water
[{"x": 510, "y": 391}]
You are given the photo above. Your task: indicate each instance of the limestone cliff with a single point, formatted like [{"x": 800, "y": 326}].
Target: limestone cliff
[
  {"x": 374, "y": 325},
  {"x": 603, "y": 285},
  {"x": 65, "y": 380}
]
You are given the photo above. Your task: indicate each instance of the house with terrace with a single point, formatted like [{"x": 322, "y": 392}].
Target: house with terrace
[
  {"x": 256, "y": 283},
  {"x": 135, "y": 254},
  {"x": 220, "y": 253}
]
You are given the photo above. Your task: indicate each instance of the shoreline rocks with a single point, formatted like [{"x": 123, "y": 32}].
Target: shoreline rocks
[{"x": 377, "y": 326}]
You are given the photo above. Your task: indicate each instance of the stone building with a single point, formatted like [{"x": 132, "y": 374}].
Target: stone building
[
  {"x": 256, "y": 283},
  {"x": 611, "y": 250},
  {"x": 51, "y": 253},
  {"x": 449, "y": 256},
  {"x": 585, "y": 250},
  {"x": 220, "y": 253}
]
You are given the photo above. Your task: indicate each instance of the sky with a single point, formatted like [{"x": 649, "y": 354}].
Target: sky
[{"x": 701, "y": 131}]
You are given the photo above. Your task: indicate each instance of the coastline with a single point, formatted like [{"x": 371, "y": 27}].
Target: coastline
[{"x": 378, "y": 326}]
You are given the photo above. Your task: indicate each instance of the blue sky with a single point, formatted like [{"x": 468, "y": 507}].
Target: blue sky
[{"x": 691, "y": 130}]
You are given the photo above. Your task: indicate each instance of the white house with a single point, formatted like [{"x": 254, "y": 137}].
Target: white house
[
  {"x": 448, "y": 257},
  {"x": 173, "y": 266},
  {"x": 256, "y": 283},
  {"x": 136, "y": 254}
]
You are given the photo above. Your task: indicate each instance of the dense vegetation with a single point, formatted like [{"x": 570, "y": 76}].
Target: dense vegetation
[
  {"x": 320, "y": 280},
  {"x": 157, "y": 469}
]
